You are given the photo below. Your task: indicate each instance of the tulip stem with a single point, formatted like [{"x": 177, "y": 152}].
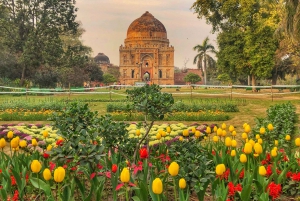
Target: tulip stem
[
  {"x": 126, "y": 190},
  {"x": 174, "y": 189},
  {"x": 158, "y": 197},
  {"x": 37, "y": 176}
]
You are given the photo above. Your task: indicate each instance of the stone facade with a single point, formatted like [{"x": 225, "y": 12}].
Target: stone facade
[{"x": 146, "y": 55}]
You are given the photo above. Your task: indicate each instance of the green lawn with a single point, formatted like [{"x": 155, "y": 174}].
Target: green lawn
[{"x": 257, "y": 103}]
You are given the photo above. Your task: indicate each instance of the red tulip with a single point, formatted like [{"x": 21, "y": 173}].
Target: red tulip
[
  {"x": 46, "y": 155},
  {"x": 143, "y": 153},
  {"x": 59, "y": 142},
  {"x": 114, "y": 168}
]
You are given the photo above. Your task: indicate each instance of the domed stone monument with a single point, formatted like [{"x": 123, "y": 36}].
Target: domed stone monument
[{"x": 146, "y": 55}]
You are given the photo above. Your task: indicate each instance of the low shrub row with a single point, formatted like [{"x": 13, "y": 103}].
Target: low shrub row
[
  {"x": 180, "y": 106},
  {"x": 32, "y": 104}
]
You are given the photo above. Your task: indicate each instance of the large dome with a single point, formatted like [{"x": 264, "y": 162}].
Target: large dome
[
  {"x": 146, "y": 26},
  {"x": 102, "y": 59}
]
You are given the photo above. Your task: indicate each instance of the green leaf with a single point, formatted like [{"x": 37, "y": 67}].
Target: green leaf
[
  {"x": 38, "y": 183},
  {"x": 3, "y": 194},
  {"x": 66, "y": 193},
  {"x": 135, "y": 198},
  {"x": 80, "y": 186}
]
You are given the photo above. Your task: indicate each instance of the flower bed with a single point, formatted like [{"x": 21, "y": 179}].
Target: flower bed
[
  {"x": 25, "y": 115},
  {"x": 175, "y": 116},
  {"x": 254, "y": 170}
]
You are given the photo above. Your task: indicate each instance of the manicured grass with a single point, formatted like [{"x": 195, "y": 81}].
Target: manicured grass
[{"x": 256, "y": 106}]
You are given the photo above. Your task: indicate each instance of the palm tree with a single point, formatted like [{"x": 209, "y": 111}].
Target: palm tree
[{"x": 202, "y": 58}]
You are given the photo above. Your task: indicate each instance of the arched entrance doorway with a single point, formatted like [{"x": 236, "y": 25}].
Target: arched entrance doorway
[{"x": 146, "y": 76}]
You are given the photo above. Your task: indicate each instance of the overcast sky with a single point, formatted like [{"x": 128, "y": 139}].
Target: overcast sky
[{"x": 106, "y": 23}]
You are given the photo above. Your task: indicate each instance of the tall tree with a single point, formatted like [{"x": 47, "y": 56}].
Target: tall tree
[
  {"x": 203, "y": 59},
  {"x": 292, "y": 19},
  {"x": 32, "y": 30},
  {"x": 255, "y": 21}
]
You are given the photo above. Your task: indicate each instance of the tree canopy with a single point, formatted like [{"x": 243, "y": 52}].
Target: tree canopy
[
  {"x": 246, "y": 35},
  {"x": 192, "y": 78}
]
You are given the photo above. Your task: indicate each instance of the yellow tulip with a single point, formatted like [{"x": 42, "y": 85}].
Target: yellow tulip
[
  {"x": 137, "y": 132},
  {"x": 297, "y": 142},
  {"x": 185, "y": 133},
  {"x": 47, "y": 174},
  {"x": 14, "y": 143},
  {"x": 208, "y": 130},
  {"x": 34, "y": 142},
  {"x": 16, "y": 149},
  {"x": 224, "y": 133},
  {"x": 215, "y": 128},
  {"x": 276, "y": 142},
  {"x": 223, "y": 126},
  {"x": 233, "y": 133},
  {"x": 36, "y": 166},
  {"x": 262, "y": 170},
  {"x": 220, "y": 169},
  {"x": 244, "y": 136},
  {"x": 219, "y": 132},
  {"x": 257, "y": 136},
  {"x": 197, "y": 134},
  {"x": 255, "y": 155},
  {"x": 252, "y": 142},
  {"x": 262, "y": 130},
  {"x": 248, "y": 148},
  {"x": 228, "y": 142},
  {"x": 49, "y": 147},
  {"x": 270, "y": 127},
  {"x": 10, "y": 134},
  {"x": 23, "y": 143},
  {"x": 59, "y": 174},
  {"x": 215, "y": 138},
  {"x": 273, "y": 152},
  {"x": 258, "y": 148},
  {"x": 180, "y": 138},
  {"x": 173, "y": 169},
  {"x": 168, "y": 129},
  {"x": 247, "y": 129},
  {"x": 244, "y": 125},
  {"x": 243, "y": 158},
  {"x": 260, "y": 141},
  {"x": 158, "y": 136},
  {"x": 233, "y": 143},
  {"x": 45, "y": 134},
  {"x": 182, "y": 183},
  {"x": 231, "y": 128},
  {"x": 275, "y": 148},
  {"x": 157, "y": 186},
  {"x": 193, "y": 129},
  {"x": 287, "y": 137},
  {"x": 163, "y": 134},
  {"x": 125, "y": 175},
  {"x": 2, "y": 143},
  {"x": 233, "y": 153}
]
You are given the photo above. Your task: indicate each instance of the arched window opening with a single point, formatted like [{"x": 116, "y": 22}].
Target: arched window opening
[
  {"x": 132, "y": 73},
  {"x": 160, "y": 73}
]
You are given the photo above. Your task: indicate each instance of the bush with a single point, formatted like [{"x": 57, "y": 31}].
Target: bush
[{"x": 199, "y": 105}]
